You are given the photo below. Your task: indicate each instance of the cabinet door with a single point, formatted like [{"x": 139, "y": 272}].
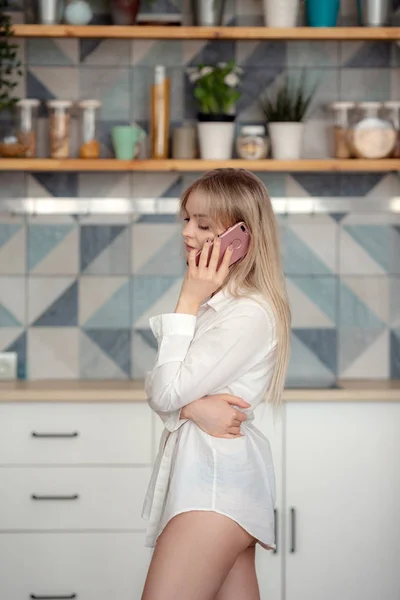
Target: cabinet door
[
  {"x": 270, "y": 564},
  {"x": 343, "y": 483}
]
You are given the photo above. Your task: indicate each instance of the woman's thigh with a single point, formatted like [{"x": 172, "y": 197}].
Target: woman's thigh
[
  {"x": 193, "y": 556},
  {"x": 241, "y": 582}
]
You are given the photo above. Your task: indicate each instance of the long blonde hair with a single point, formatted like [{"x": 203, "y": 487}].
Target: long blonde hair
[{"x": 237, "y": 195}]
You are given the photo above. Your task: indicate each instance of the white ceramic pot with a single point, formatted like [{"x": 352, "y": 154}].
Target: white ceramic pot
[
  {"x": 286, "y": 140},
  {"x": 281, "y": 13},
  {"x": 216, "y": 140}
]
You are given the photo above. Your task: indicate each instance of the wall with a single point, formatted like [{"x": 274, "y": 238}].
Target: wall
[{"x": 76, "y": 292}]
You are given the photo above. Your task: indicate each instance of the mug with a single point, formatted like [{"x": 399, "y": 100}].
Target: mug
[{"x": 125, "y": 139}]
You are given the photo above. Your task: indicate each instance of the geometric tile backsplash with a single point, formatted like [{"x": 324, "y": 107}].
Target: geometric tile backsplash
[{"x": 76, "y": 293}]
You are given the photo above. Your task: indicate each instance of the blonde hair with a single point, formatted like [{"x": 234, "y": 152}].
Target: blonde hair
[{"x": 237, "y": 195}]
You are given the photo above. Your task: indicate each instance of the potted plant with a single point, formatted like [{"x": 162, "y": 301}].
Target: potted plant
[
  {"x": 10, "y": 71},
  {"x": 216, "y": 93},
  {"x": 284, "y": 113}
]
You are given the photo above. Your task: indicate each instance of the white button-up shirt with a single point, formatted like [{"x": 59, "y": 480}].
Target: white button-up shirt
[{"x": 228, "y": 348}]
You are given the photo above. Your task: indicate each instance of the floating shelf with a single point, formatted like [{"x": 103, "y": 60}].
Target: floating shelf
[
  {"x": 207, "y": 33},
  {"x": 76, "y": 164}
]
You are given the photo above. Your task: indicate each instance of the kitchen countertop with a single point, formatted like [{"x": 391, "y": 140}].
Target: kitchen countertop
[{"x": 133, "y": 391}]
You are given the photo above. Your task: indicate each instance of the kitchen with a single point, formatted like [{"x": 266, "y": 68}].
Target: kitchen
[{"x": 89, "y": 252}]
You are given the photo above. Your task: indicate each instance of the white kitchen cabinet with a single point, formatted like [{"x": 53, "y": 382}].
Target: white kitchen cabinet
[
  {"x": 85, "y": 566},
  {"x": 270, "y": 564},
  {"x": 343, "y": 483}
]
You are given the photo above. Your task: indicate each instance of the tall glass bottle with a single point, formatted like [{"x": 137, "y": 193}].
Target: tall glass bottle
[{"x": 160, "y": 113}]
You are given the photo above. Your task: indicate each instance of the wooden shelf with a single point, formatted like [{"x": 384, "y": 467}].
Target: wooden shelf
[
  {"x": 76, "y": 164},
  {"x": 207, "y": 33}
]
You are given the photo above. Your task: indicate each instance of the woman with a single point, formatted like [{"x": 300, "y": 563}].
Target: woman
[{"x": 212, "y": 493}]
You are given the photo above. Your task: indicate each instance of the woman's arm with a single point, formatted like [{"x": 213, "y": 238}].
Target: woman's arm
[{"x": 187, "y": 369}]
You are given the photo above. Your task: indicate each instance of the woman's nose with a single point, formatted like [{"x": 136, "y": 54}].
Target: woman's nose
[{"x": 187, "y": 231}]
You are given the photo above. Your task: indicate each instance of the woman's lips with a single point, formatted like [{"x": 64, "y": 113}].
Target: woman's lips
[{"x": 189, "y": 248}]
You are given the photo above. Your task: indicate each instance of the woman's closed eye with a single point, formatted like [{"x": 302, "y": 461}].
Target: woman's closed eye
[{"x": 204, "y": 228}]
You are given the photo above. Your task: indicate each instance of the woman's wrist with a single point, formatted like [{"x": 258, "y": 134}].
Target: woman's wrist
[
  {"x": 187, "y": 306},
  {"x": 186, "y": 412}
]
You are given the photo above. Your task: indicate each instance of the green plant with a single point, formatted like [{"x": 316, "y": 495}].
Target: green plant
[
  {"x": 289, "y": 103},
  {"x": 10, "y": 65},
  {"x": 215, "y": 87}
]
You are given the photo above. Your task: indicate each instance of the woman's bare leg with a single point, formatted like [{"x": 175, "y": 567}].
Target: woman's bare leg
[
  {"x": 241, "y": 582},
  {"x": 193, "y": 557}
]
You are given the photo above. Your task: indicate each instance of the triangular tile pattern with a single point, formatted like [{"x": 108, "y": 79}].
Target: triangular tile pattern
[
  {"x": 354, "y": 312},
  {"x": 144, "y": 349},
  {"x": 63, "y": 312},
  {"x": 115, "y": 313},
  {"x": 19, "y": 346},
  {"x": 114, "y": 258},
  {"x": 146, "y": 291},
  {"x": 42, "y": 239},
  {"x": 353, "y": 342},
  {"x": 7, "y": 319},
  {"x": 322, "y": 343},
  {"x": 59, "y": 185},
  {"x": 374, "y": 239},
  {"x": 7, "y": 231},
  {"x": 299, "y": 258},
  {"x": 115, "y": 343},
  {"x": 95, "y": 239},
  {"x": 373, "y": 359},
  {"x": 372, "y": 54},
  {"x": 43, "y": 51},
  {"x": 53, "y": 353},
  {"x": 321, "y": 291},
  {"x": 306, "y": 369},
  {"x": 95, "y": 363},
  {"x": 167, "y": 260}
]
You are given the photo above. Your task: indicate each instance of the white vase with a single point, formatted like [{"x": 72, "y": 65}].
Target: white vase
[
  {"x": 286, "y": 140},
  {"x": 281, "y": 13},
  {"x": 216, "y": 140}
]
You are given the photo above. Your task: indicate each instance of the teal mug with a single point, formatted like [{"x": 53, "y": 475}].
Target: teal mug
[{"x": 125, "y": 139}]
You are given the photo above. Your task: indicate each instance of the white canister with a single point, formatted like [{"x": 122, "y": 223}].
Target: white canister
[
  {"x": 281, "y": 13},
  {"x": 286, "y": 140},
  {"x": 216, "y": 140}
]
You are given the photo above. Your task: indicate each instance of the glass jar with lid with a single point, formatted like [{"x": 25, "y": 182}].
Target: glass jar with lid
[
  {"x": 371, "y": 134},
  {"x": 252, "y": 143},
  {"x": 89, "y": 144},
  {"x": 392, "y": 111},
  {"x": 60, "y": 127},
  {"x": 27, "y": 113},
  {"x": 341, "y": 112}
]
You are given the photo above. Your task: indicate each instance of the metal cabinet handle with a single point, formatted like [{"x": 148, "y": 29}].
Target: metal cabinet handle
[
  {"x": 275, "y": 551},
  {"x": 293, "y": 530},
  {"x": 35, "y": 434},
  {"x": 72, "y": 497},
  {"x": 69, "y": 597}
]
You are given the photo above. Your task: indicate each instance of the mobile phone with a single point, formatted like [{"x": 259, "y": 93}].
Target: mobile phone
[{"x": 239, "y": 236}]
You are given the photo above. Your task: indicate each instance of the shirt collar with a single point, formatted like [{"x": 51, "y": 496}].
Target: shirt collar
[{"x": 221, "y": 299}]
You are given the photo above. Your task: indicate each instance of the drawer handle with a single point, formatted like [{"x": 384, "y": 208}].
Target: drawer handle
[
  {"x": 34, "y": 597},
  {"x": 72, "y": 497},
  {"x": 35, "y": 434}
]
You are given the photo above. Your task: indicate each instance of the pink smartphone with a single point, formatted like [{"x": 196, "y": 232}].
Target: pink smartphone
[{"x": 239, "y": 236}]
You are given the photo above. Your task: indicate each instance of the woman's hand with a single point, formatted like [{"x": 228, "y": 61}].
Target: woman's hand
[
  {"x": 217, "y": 415},
  {"x": 202, "y": 281}
]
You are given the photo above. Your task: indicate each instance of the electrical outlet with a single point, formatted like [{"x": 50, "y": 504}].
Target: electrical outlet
[{"x": 8, "y": 365}]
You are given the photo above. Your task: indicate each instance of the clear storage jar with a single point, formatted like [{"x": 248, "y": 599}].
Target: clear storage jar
[
  {"x": 27, "y": 113},
  {"x": 371, "y": 134},
  {"x": 341, "y": 112},
  {"x": 59, "y": 127},
  {"x": 89, "y": 144},
  {"x": 252, "y": 142},
  {"x": 392, "y": 112}
]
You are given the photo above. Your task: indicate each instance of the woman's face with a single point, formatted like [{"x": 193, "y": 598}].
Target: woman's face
[{"x": 198, "y": 226}]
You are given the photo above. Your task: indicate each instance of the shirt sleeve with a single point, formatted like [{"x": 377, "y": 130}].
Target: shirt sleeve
[
  {"x": 172, "y": 420},
  {"x": 188, "y": 368}
]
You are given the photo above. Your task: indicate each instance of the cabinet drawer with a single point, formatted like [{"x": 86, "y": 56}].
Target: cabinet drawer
[
  {"x": 94, "y": 566},
  {"x": 45, "y": 498},
  {"x": 65, "y": 433}
]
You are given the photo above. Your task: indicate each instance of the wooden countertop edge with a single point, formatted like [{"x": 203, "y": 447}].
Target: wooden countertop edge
[{"x": 133, "y": 391}]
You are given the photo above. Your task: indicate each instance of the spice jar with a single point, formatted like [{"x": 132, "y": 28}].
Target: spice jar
[
  {"x": 371, "y": 135},
  {"x": 341, "y": 121},
  {"x": 252, "y": 143},
  {"x": 27, "y": 111},
  {"x": 60, "y": 127},
  {"x": 392, "y": 111},
  {"x": 88, "y": 129}
]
